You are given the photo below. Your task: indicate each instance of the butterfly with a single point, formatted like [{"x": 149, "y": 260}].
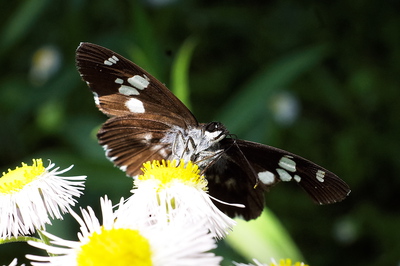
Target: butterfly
[{"x": 147, "y": 122}]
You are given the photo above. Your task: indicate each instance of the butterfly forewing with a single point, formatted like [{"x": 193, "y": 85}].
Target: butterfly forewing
[
  {"x": 123, "y": 88},
  {"x": 273, "y": 165}
]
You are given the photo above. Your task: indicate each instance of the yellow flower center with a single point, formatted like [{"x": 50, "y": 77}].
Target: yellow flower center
[
  {"x": 116, "y": 247},
  {"x": 288, "y": 262},
  {"x": 168, "y": 173},
  {"x": 17, "y": 179}
]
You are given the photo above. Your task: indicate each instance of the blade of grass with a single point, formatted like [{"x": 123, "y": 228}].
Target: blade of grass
[
  {"x": 146, "y": 50},
  {"x": 180, "y": 71},
  {"x": 254, "y": 96},
  {"x": 20, "y": 23}
]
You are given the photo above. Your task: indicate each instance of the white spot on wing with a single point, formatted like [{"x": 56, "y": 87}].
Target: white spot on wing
[
  {"x": 320, "y": 176},
  {"x": 107, "y": 151},
  {"x": 123, "y": 168},
  {"x": 283, "y": 175},
  {"x": 119, "y": 81},
  {"x": 128, "y": 90},
  {"x": 96, "y": 98},
  {"x": 266, "y": 177},
  {"x": 297, "y": 178},
  {"x": 288, "y": 164},
  {"x": 111, "y": 61},
  {"x": 134, "y": 105},
  {"x": 147, "y": 137},
  {"x": 139, "y": 82},
  {"x": 163, "y": 153}
]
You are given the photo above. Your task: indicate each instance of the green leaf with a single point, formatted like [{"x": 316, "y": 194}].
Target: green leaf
[{"x": 263, "y": 239}]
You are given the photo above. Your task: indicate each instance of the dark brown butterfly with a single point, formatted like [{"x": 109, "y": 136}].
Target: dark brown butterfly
[{"x": 149, "y": 123}]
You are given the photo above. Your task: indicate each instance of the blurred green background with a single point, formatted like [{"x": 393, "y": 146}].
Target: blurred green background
[{"x": 317, "y": 78}]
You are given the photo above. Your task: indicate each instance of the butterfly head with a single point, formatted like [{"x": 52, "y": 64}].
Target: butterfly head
[{"x": 214, "y": 131}]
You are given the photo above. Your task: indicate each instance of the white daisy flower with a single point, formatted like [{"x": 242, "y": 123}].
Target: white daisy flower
[
  {"x": 117, "y": 242},
  {"x": 168, "y": 192},
  {"x": 31, "y": 194}
]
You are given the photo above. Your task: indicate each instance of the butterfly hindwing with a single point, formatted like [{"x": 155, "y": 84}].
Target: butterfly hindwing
[
  {"x": 131, "y": 142},
  {"x": 232, "y": 179}
]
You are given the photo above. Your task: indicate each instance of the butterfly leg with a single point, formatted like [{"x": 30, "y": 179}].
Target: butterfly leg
[
  {"x": 183, "y": 148},
  {"x": 206, "y": 159}
]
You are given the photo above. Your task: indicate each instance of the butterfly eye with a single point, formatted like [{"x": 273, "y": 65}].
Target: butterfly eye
[{"x": 215, "y": 126}]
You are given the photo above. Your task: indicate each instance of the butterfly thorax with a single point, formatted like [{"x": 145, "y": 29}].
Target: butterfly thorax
[{"x": 199, "y": 144}]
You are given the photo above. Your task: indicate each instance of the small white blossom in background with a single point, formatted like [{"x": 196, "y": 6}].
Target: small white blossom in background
[
  {"x": 122, "y": 242},
  {"x": 175, "y": 193},
  {"x": 46, "y": 61},
  {"x": 31, "y": 194},
  {"x": 285, "y": 108}
]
